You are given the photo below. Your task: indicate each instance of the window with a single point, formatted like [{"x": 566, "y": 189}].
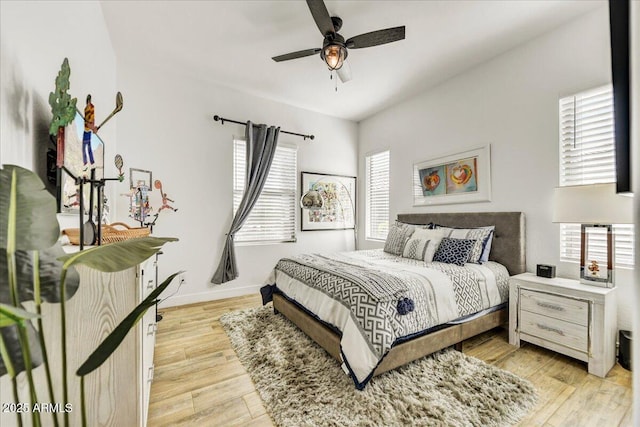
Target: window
[
  {"x": 272, "y": 219},
  {"x": 377, "y": 196},
  {"x": 587, "y": 156}
]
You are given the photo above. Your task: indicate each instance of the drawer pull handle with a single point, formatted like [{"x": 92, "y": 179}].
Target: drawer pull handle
[
  {"x": 150, "y": 374},
  {"x": 550, "y": 329},
  {"x": 150, "y": 284},
  {"x": 550, "y": 306}
]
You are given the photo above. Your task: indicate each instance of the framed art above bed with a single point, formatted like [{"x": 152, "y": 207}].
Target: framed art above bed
[{"x": 462, "y": 177}]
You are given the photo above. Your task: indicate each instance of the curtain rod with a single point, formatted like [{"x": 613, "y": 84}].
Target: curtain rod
[{"x": 217, "y": 118}]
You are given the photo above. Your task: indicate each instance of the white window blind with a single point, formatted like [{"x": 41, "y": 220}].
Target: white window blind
[
  {"x": 272, "y": 219},
  {"x": 586, "y": 137},
  {"x": 587, "y": 156},
  {"x": 377, "y": 196}
]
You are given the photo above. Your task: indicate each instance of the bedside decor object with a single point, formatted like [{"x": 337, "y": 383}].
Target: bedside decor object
[
  {"x": 596, "y": 207},
  {"x": 327, "y": 202},
  {"x": 565, "y": 316},
  {"x": 548, "y": 271},
  {"x": 462, "y": 177}
]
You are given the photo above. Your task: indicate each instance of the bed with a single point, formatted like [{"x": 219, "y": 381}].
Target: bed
[{"x": 404, "y": 317}]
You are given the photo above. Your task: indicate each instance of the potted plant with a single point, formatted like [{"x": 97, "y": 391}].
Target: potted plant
[{"x": 33, "y": 267}]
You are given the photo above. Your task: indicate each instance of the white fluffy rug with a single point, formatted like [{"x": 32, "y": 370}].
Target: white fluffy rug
[{"x": 301, "y": 385}]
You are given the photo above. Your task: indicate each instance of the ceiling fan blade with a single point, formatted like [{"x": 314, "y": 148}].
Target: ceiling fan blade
[
  {"x": 321, "y": 16},
  {"x": 295, "y": 55},
  {"x": 376, "y": 38},
  {"x": 344, "y": 72}
]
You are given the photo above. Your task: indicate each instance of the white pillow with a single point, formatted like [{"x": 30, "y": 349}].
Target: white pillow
[{"x": 423, "y": 244}]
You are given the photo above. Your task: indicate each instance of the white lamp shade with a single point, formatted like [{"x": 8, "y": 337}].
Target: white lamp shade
[{"x": 592, "y": 204}]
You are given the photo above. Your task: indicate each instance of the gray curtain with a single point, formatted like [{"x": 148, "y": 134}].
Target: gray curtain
[{"x": 261, "y": 147}]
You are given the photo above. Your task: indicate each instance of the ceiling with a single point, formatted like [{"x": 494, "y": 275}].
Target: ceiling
[{"x": 231, "y": 43}]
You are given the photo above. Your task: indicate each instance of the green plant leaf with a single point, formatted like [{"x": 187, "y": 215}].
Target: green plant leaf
[
  {"x": 50, "y": 271},
  {"x": 117, "y": 256},
  {"x": 27, "y": 211},
  {"x": 113, "y": 340},
  {"x": 10, "y": 315},
  {"x": 14, "y": 349}
]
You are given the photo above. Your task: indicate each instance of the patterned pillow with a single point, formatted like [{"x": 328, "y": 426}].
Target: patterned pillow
[
  {"x": 397, "y": 237},
  {"x": 454, "y": 251},
  {"x": 423, "y": 244},
  {"x": 483, "y": 235}
]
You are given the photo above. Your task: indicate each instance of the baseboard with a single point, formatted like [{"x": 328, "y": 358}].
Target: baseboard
[{"x": 209, "y": 296}]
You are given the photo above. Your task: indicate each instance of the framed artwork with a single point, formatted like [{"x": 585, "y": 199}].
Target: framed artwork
[
  {"x": 139, "y": 178},
  {"x": 79, "y": 159},
  {"x": 463, "y": 177},
  {"x": 327, "y": 202}
]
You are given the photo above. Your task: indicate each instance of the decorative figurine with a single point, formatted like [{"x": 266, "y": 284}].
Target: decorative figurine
[
  {"x": 165, "y": 199},
  {"x": 89, "y": 128},
  {"x": 119, "y": 163},
  {"x": 119, "y": 104},
  {"x": 63, "y": 108},
  {"x": 594, "y": 268}
]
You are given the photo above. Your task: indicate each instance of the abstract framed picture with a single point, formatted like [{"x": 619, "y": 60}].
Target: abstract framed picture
[
  {"x": 327, "y": 201},
  {"x": 463, "y": 177}
]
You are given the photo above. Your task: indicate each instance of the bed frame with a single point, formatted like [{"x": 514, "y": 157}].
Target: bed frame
[{"x": 508, "y": 248}]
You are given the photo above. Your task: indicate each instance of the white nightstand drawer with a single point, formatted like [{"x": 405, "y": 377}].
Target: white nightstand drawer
[
  {"x": 565, "y": 333},
  {"x": 566, "y": 316},
  {"x": 563, "y": 308}
]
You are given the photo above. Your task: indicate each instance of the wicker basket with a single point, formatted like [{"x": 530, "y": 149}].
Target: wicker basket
[{"x": 111, "y": 233}]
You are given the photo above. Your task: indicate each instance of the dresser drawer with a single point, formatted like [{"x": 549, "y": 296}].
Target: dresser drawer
[
  {"x": 562, "y": 308},
  {"x": 560, "y": 332}
]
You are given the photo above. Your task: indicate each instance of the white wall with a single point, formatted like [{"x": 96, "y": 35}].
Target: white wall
[
  {"x": 168, "y": 128},
  {"x": 510, "y": 102},
  {"x": 35, "y": 37}
]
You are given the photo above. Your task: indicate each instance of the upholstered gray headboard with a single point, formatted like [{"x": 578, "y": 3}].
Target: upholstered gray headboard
[{"x": 508, "y": 247}]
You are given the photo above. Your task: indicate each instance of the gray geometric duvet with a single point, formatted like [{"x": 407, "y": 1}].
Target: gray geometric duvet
[{"x": 359, "y": 293}]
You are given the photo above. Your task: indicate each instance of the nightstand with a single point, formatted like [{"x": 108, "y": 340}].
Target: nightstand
[{"x": 565, "y": 316}]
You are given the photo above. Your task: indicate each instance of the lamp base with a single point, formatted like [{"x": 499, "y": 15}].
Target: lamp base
[{"x": 599, "y": 283}]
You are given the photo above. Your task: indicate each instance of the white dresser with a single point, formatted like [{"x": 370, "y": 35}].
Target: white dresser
[
  {"x": 117, "y": 393},
  {"x": 566, "y": 316}
]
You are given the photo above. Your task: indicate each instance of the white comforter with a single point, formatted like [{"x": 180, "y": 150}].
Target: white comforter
[{"x": 331, "y": 287}]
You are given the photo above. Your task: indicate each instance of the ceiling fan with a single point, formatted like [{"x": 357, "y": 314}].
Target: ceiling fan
[{"x": 334, "y": 49}]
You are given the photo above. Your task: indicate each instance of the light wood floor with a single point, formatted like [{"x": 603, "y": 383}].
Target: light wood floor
[{"x": 199, "y": 380}]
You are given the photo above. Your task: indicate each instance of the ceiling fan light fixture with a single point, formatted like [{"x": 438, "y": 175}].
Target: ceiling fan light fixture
[{"x": 334, "y": 56}]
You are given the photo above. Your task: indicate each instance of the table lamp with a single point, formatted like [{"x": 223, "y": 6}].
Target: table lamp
[{"x": 596, "y": 207}]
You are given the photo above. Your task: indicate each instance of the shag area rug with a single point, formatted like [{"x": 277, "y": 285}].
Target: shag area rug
[{"x": 301, "y": 385}]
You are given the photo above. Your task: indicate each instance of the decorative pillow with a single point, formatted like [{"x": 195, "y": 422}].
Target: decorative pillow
[
  {"x": 397, "y": 237},
  {"x": 423, "y": 244},
  {"x": 454, "y": 251},
  {"x": 483, "y": 235}
]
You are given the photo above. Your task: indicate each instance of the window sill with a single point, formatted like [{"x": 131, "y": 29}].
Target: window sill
[{"x": 265, "y": 243}]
